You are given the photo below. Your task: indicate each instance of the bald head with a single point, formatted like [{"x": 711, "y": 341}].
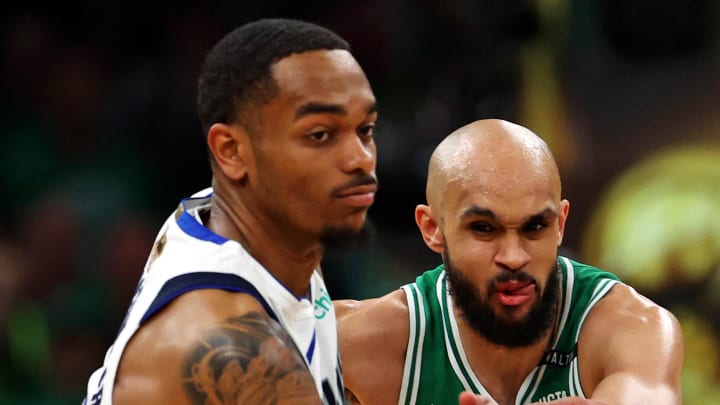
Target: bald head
[{"x": 502, "y": 156}]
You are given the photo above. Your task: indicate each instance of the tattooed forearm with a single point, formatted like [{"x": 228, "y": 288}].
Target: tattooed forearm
[{"x": 247, "y": 360}]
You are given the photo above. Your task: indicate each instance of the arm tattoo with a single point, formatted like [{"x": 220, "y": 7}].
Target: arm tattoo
[{"x": 247, "y": 360}]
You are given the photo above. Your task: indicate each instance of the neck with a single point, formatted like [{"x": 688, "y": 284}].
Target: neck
[{"x": 291, "y": 260}]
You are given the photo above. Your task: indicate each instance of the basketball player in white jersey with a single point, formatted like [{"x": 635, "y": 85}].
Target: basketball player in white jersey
[{"x": 231, "y": 307}]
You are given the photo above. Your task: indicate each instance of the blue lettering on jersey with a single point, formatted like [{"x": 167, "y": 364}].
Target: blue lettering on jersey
[{"x": 96, "y": 398}]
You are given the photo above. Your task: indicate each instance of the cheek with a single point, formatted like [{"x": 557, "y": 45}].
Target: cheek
[
  {"x": 283, "y": 176},
  {"x": 302, "y": 191},
  {"x": 544, "y": 256},
  {"x": 543, "y": 249},
  {"x": 474, "y": 260},
  {"x": 281, "y": 188},
  {"x": 308, "y": 192},
  {"x": 473, "y": 251},
  {"x": 294, "y": 191}
]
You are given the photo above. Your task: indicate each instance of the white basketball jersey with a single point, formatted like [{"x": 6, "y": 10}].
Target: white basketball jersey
[{"x": 193, "y": 257}]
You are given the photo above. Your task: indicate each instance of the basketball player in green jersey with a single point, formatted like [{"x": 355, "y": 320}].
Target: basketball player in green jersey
[{"x": 505, "y": 318}]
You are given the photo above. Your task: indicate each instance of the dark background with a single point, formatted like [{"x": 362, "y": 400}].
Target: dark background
[{"x": 99, "y": 141}]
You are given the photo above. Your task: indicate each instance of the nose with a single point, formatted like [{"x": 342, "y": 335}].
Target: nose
[
  {"x": 358, "y": 155},
  {"x": 511, "y": 253}
]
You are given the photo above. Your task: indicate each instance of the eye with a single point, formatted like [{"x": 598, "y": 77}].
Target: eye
[
  {"x": 367, "y": 131},
  {"x": 481, "y": 227},
  {"x": 535, "y": 226},
  {"x": 320, "y": 135}
]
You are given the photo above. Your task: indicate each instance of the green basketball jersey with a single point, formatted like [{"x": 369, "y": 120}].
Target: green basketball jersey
[{"x": 436, "y": 368}]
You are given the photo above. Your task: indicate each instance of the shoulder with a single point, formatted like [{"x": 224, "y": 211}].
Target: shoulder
[
  {"x": 628, "y": 334},
  {"x": 207, "y": 339},
  {"x": 629, "y": 312},
  {"x": 373, "y": 319},
  {"x": 372, "y": 336}
]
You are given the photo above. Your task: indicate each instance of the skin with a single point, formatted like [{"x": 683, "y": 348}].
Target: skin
[
  {"x": 275, "y": 192},
  {"x": 494, "y": 201}
]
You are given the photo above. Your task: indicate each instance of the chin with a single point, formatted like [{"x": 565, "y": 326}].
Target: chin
[
  {"x": 514, "y": 316},
  {"x": 347, "y": 236}
]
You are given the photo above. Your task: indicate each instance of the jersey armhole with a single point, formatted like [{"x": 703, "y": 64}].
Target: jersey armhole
[
  {"x": 184, "y": 283},
  {"x": 413, "y": 354}
]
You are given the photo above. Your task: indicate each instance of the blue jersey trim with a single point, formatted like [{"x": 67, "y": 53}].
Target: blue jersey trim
[
  {"x": 179, "y": 285},
  {"x": 311, "y": 348},
  {"x": 192, "y": 227}
]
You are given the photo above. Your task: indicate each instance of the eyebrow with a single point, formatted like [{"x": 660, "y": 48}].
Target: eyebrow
[
  {"x": 476, "y": 211},
  {"x": 322, "y": 108}
]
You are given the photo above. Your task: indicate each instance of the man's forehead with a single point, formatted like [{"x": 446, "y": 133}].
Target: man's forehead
[
  {"x": 321, "y": 77},
  {"x": 497, "y": 196},
  {"x": 497, "y": 176},
  {"x": 314, "y": 65}
]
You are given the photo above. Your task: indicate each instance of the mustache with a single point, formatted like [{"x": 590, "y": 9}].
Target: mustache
[
  {"x": 366, "y": 179},
  {"x": 507, "y": 275}
]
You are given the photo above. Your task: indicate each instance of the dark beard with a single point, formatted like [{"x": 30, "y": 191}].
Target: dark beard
[
  {"x": 340, "y": 241},
  {"x": 476, "y": 311}
]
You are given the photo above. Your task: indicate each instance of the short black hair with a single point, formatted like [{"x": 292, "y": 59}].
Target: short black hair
[{"x": 237, "y": 68}]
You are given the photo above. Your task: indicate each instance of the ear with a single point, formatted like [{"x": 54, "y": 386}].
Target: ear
[
  {"x": 229, "y": 146},
  {"x": 429, "y": 228},
  {"x": 564, "y": 210}
]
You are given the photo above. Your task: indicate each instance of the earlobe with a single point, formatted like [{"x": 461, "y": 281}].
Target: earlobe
[
  {"x": 227, "y": 147},
  {"x": 429, "y": 228}
]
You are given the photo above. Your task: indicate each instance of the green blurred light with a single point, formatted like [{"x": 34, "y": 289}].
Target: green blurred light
[{"x": 660, "y": 221}]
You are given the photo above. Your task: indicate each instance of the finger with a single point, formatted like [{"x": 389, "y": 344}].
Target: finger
[{"x": 468, "y": 398}]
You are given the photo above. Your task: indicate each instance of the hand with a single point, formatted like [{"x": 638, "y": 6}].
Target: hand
[
  {"x": 565, "y": 401},
  {"x": 468, "y": 398}
]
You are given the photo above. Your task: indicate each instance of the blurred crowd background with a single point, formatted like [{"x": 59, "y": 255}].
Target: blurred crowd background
[{"x": 99, "y": 141}]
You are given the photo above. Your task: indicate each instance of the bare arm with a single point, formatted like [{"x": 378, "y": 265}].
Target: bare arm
[
  {"x": 631, "y": 351},
  {"x": 213, "y": 355},
  {"x": 372, "y": 335}
]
